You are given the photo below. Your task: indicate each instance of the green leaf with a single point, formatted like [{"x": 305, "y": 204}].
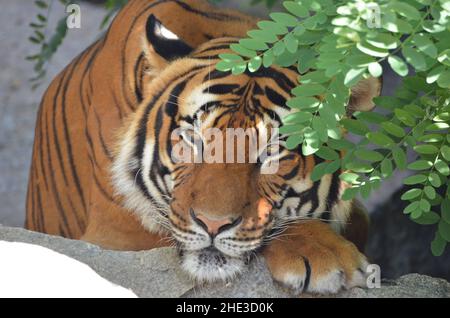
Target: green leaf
[
  {"x": 411, "y": 194},
  {"x": 424, "y": 205},
  {"x": 230, "y": 57},
  {"x": 327, "y": 153},
  {"x": 289, "y": 129},
  {"x": 438, "y": 245},
  {"x": 420, "y": 165},
  {"x": 297, "y": 9},
  {"x": 293, "y": 141},
  {"x": 255, "y": 64},
  {"x": 444, "y": 79},
  {"x": 427, "y": 218},
  {"x": 349, "y": 194},
  {"x": 430, "y": 192},
  {"x": 268, "y": 58},
  {"x": 435, "y": 73},
  {"x": 393, "y": 129},
  {"x": 241, "y": 50},
  {"x": 444, "y": 57},
  {"x": 359, "y": 167},
  {"x": 415, "y": 179},
  {"x": 340, "y": 144},
  {"x": 411, "y": 207},
  {"x": 308, "y": 90},
  {"x": 398, "y": 65},
  {"x": 356, "y": 60},
  {"x": 238, "y": 69},
  {"x": 445, "y": 151},
  {"x": 425, "y": 44},
  {"x": 434, "y": 180},
  {"x": 41, "y": 4},
  {"x": 291, "y": 43},
  {"x": 355, "y": 126},
  {"x": 444, "y": 230},
  {"x": 272, "y": 27},
  {"x": 437, "y": 126},
  {"x": 414, "y": 58},
  {"x": 319, "y": 125},
  {"x": 445, "y": 210},
  {"x": 306, "y": 59},
  {"x": 303, "y": 102},
  {"x": 333, "y": 167},
  {"x": 41, "y": 18},
  {"x": 297, "y": 117},
  {"x": 253, "y": 44},
  {"x": 369, "y": 155},
  {"x": 311, "y": 144},
  {"x": 386, "y": 168},
  {"x": 442, "y": 167},
  {"x": 365, "y": 190},
  {"x": 261, "y": 35},
  {"x": 405, "y": 10},
  {"x": 319, "y": 171},
  {"x": 349, "y": 177},
  {"x": 224, "y": 66},
  {"x": 426, "y": 149},
  {"x": 379, "y": 139},
  {"x": 353, "y": 76},
  {"x": 405, "y": 117},
  {"x": 399, "y": 157},
  {"x": 371, "y": 50},
  {"x": 284, "y": 19},
  {"x": 317, "y": 77},
  {"x": 383, "y": 41},
  {"x": 390, "y": 22},
  {"x": 375, "y": 69}
]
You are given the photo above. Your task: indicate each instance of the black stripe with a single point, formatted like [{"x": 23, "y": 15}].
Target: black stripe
[
  {"x": 41, "y": 211},
  {"x": 220, "y": 46},
  {"x": 55, "y": 132},
  {"x": 87, "y": 69},
  {"x": 100, "y": 135},
  {"x": 210, "y": 15},
  {"x": 276, "y": 98},
  {"x": 221, "y": 89},
  {"x": 67, "y": 140},
  {"x": 333, "y": 194},
  {"x": 54, "y": 187},
  {"x": 138, "y": 78},
  {"x": 39, "y": 136},
  {"x": 307, "y": 274}
]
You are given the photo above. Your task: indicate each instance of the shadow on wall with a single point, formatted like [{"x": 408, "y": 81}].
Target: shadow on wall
[{"x": 400, "y": 246}]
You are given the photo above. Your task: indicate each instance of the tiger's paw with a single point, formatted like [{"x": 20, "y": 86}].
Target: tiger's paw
[{"x": 308, "y": 262}]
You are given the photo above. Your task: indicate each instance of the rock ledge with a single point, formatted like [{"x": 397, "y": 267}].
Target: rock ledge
[{"x": 156, "y": 273}]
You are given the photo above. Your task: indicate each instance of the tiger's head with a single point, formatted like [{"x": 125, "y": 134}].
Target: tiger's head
[{"x": 219, "y": 211}]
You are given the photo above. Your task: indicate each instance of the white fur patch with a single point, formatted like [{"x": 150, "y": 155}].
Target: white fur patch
[{"x": 209, "y": 269}]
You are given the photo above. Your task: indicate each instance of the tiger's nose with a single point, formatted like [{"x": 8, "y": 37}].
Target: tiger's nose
[{"x": 214, "y": 227}]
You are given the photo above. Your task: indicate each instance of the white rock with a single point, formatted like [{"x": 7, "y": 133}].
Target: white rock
[{"x": 28, "y": 270}]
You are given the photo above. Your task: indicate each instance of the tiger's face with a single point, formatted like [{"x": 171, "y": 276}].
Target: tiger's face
[{"x": 220, "y": 212}]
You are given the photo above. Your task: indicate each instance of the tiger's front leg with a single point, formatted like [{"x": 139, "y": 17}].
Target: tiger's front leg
[{"x": 311, "y": 257}]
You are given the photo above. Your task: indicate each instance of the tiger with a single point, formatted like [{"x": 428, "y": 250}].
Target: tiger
[{"x": 103, "y": 169}]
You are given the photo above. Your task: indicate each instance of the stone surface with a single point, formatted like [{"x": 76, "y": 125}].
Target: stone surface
[{"x": 156, "y": 273}]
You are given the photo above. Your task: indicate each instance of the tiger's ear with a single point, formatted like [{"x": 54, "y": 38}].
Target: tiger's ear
[
  {"x": 362, "y": 95},
  {"x": 165, "y": 43}
]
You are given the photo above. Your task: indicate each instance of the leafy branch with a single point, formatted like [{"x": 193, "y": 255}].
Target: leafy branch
[{"x": 334, "y": 46}]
